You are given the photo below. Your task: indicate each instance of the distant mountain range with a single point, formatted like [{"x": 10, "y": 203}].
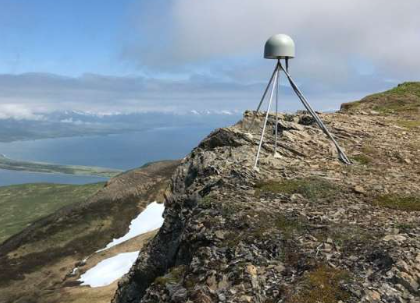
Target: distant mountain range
[{"x": 76, "y": 123}]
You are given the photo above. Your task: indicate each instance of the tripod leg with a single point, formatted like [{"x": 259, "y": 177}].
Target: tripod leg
[
  {"x": 277, "y": 111},
  {"x": 341, "y": 153},
  {"x": 263, "y": 97},
  {"x": 266, "y": 118}
]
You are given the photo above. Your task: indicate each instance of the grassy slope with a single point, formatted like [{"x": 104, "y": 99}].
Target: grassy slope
[
  {"x": 9, "y": 164},
  {"x": 21, "y": 205},
  {"x": 35, "y": 262},
  {"x": 405, "y": 98}
]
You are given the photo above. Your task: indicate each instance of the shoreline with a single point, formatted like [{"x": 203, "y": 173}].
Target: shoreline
[{"x": 51, "y": 168}]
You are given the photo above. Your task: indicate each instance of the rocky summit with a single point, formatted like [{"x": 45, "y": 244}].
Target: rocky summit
[{"x": 304, "y": 227}]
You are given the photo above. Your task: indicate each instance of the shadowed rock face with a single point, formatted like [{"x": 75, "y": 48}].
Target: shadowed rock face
[
  {"x": 35, "y": 263},
  {"x": 305, "y": 228}
]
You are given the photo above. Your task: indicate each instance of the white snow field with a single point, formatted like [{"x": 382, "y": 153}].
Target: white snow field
[
  {"x": 148, "y": 220},
  {"x": 109, "y": 270}
]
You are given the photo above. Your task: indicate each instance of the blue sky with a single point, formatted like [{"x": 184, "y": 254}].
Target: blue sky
[
  {"x": 180, "y": 55},
  {"x": 66, "y": 37}
]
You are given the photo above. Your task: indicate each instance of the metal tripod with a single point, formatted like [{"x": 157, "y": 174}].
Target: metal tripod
[{"x": 274, "y": 84}]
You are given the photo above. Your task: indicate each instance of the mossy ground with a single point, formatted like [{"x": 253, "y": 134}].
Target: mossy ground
[
  {"x": 362, "y": 159},
  {"x": 260, "y": 225},
  {"x": 289, "y": 226},
  {"x": 409, "y": 124},
  {"x": 21, "y": 205},
  {"x": 399, "y": 202},
  {"x": 174, "y": 275},
  {"x": 323, "y": 284},
  {"x": 405, "y": 227},
  {"x": 310, "y": 188},
  {"x": 348, "y": 237},
  {"x": 367, "y": 155}
]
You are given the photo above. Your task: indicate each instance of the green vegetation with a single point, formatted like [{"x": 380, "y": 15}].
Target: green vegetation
[
  {"x": 39, "y": 167},
  {"x": 349, "y": 237},
  {"x": 412, "y": 88},
  {"x": 173, "y": 276},
  {"x": 362, "y": 159},
  {"x": 289, "y": 226},
  {"x": 369, "y": 150},
  {"x": 368, "y": 154},
  {"x": 404, "y": 227},
  {"x": 20, "y": 205},
  {"x": 394, "y": 105},
  {"x": 399, "y": 202},
  {"x": 206, "y": 202},
  {"x": 323, "y": 284},
  {"x": 261, "y": 223},
  {"x": 311, "y": 188},
  {"x": 409, "y": 124},
  {"x": 289, "y": 117},
  {"x": 401, "y": 99}
]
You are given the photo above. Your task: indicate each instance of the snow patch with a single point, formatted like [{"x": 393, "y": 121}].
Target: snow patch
[
  {"x": 109, "y": 270},
  {"x": 148, "y": 220}
]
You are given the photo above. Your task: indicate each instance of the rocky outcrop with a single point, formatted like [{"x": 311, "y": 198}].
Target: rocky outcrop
[{"x": 305, "y": 228}]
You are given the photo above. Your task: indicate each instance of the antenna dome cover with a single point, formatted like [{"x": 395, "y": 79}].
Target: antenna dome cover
[{"x": 279, "y": 46}]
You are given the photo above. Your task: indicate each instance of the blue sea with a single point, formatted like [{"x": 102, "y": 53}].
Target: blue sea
[{"x": 122, "y": 151}]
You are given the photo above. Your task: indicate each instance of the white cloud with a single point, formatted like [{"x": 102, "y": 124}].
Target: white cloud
[
  {"x": 75, "y": 122},
  {"x": 17, "y": 112},
  {"x": 105, "y": 95},
  {"x": 330, "y": 35},
  {"x": 29, "y": 96}
]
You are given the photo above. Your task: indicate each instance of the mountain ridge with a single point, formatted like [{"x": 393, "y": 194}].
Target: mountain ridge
[{"x": 305, "y": 228}]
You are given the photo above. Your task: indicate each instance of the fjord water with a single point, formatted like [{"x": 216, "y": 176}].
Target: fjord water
[{"x": 122, "y": 151}]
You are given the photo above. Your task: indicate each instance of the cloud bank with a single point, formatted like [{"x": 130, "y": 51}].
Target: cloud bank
[
  {"x": 203, "y": 55},
  {"x": 23, "y": 96},
  {"x": 30, "y": 96},
  {"x": 331, "y": 36}
]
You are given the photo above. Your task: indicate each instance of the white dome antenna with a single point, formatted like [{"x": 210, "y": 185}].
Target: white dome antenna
[{"x": 280, "y": 47}]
